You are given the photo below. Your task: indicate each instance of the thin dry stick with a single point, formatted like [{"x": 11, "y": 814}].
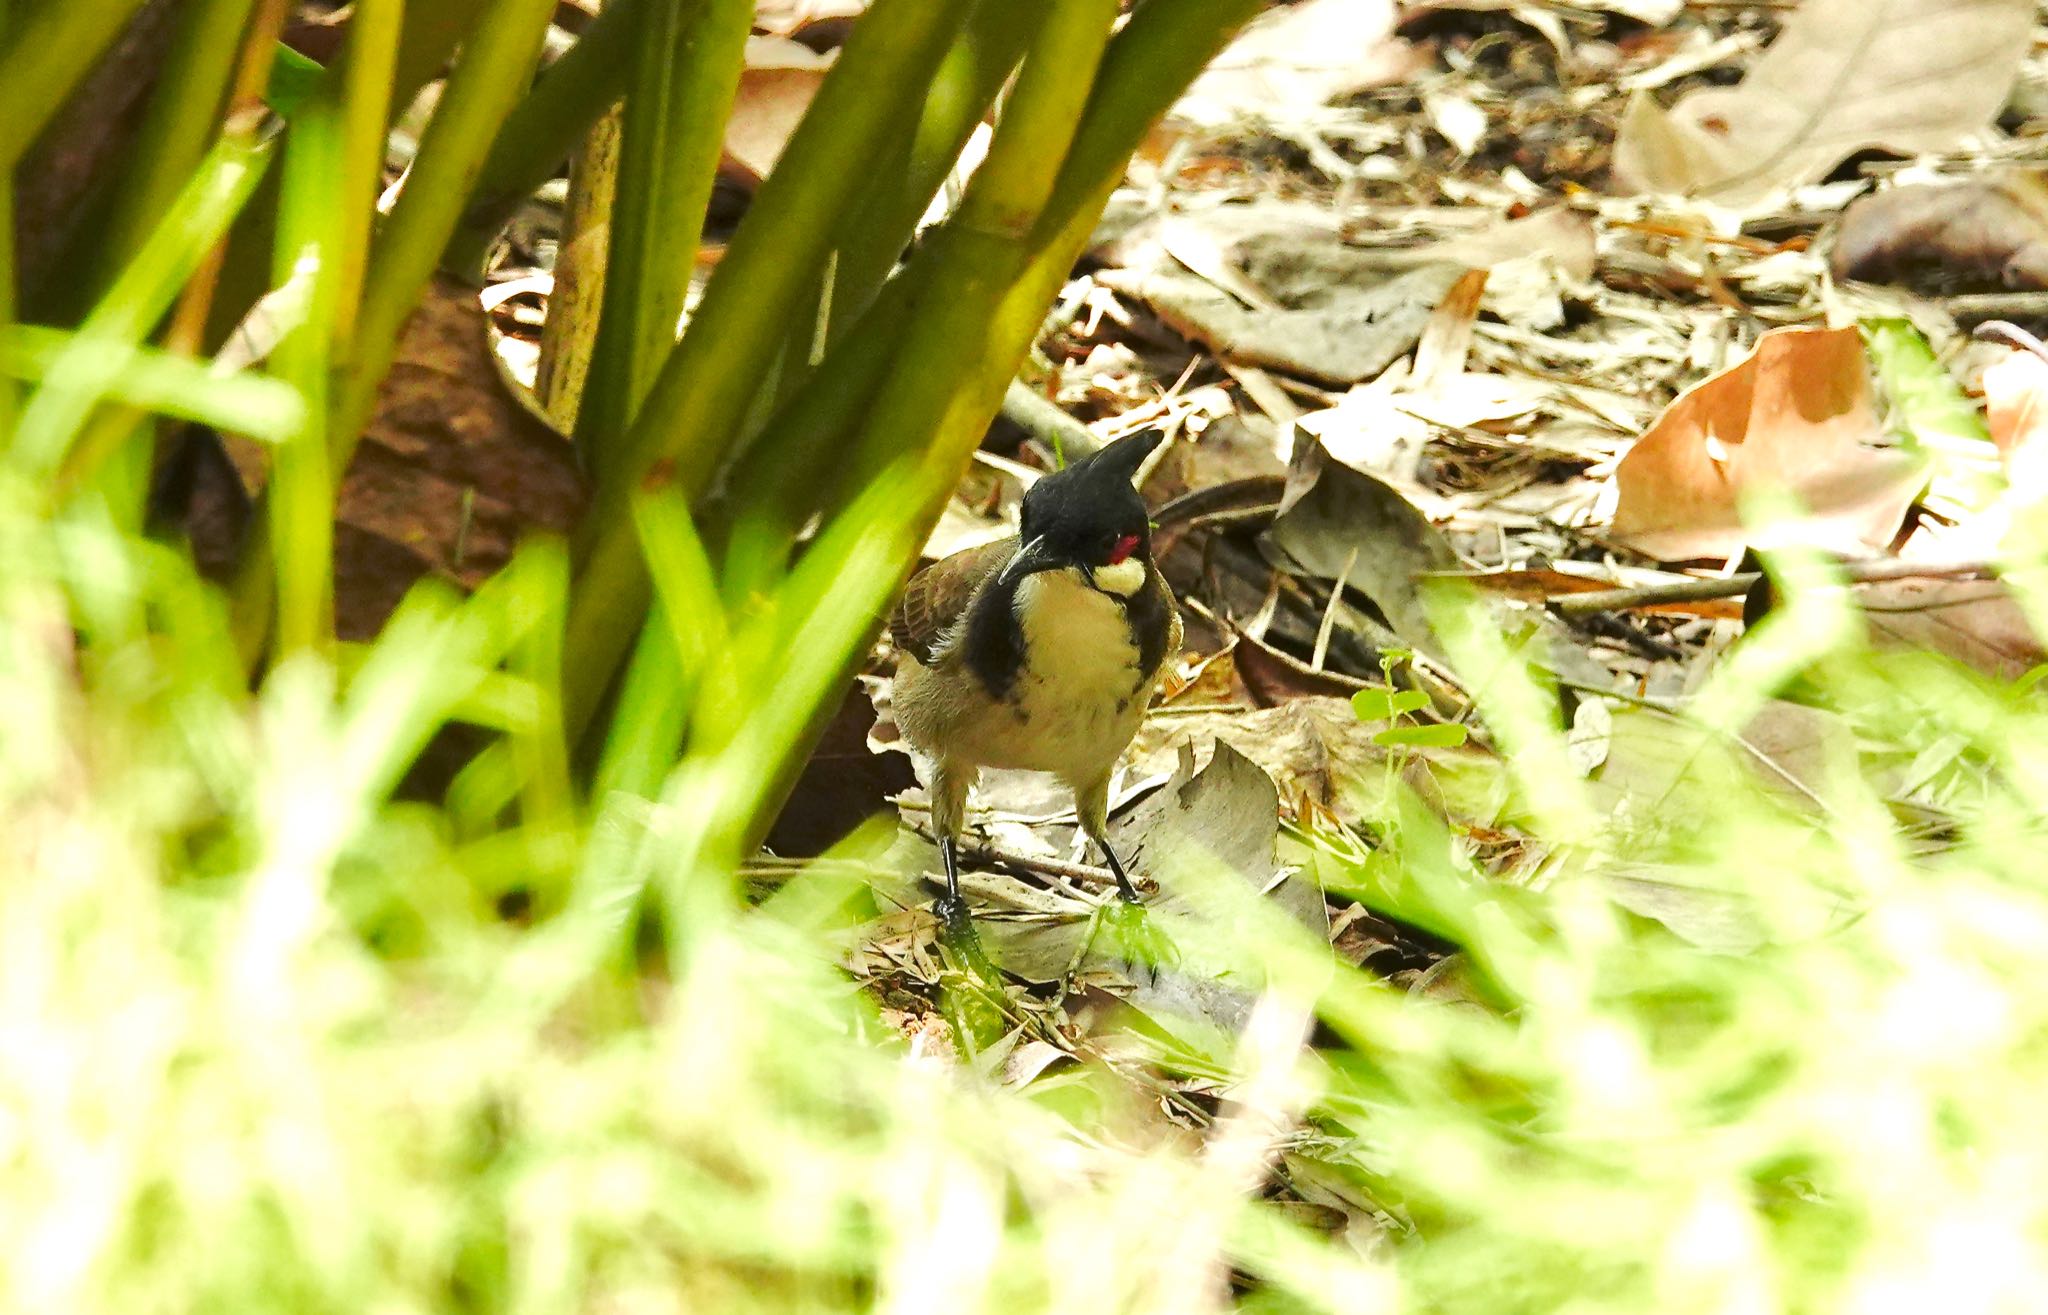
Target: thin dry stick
[{"x": 1734, "y": 586}]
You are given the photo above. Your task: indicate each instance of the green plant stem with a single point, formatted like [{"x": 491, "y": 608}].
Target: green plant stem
[
  {"x": 1148, "y": 63},
  {"x": 490, "y": 75},
  {"x": 367, "y": 77},
  {"x": 135, "y": 304},
  {"x": 326, "y": 209},
  {"x": 543, "y": 130},
  {"x": 831, "y": 396},
  {"x": 700, "y": 400},
  {"x": 182, "y": 117},
  {"x": 974, "y": 70},
  {"x": 10, "y": 396},
  {"x": 51, "y": 47},
  {"x": 299, "y": 502},
  {"x": 686, "y": 73},
  {"x": 1164, "y": 44}
]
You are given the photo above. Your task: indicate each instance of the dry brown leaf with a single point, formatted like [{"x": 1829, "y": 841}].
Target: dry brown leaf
[
  {"x": 775, "y": 90},
  {"x": 1295, "y": 59},
  {"x": 2016, "y": 413},
  {"x": 1795, "y": 416},
  {"x": 1990, "y": 231},
  {"x": 1977, "y": 622},
  {"x": 1346, "y": 334},
  {"x": 1563, "y": 238},
  {"x": 453, "y": 468},
  {"x": 1843, "y": 76}
]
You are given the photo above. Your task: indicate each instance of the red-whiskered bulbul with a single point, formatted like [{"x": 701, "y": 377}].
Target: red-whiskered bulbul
[{"x": 1037, "y": 652}]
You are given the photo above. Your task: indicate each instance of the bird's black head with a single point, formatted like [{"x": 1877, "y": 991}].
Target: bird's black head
[{"x": 1087, "y": 515}]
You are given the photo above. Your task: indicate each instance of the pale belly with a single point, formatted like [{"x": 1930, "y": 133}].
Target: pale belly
[{"x": 1072, "y": 711}]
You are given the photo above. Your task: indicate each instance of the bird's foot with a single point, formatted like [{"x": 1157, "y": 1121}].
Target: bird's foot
[
  {"x": 958, "y": 936},
  {"x": 1136, "y": 938},
  {"x": 972, "y": 994}
]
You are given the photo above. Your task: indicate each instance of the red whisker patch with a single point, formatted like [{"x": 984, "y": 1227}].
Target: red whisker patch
[{"x": 1124, "y": 548}]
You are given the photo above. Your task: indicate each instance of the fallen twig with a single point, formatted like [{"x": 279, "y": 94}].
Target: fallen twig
[{"x": 1734, "y": 586}]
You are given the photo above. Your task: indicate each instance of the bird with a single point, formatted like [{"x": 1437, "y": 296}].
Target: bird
[{"x": 1039, "y": 651}]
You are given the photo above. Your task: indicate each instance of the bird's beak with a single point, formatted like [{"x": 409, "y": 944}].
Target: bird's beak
[{"x": 1032, "y": 558}]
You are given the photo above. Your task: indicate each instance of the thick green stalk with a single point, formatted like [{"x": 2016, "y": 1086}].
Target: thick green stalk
[
  {"x": 367, "y": 74},
  {"x": 703, "y": 393},
  {"x": 944, "y": 360},
  {"x": 965, "y": 87},
  {"x": 183, "y": 115},
  {"x": 686, "y": 73},
  {"x": 490, "y": 75},
  {"x": 701, "y": 398},
  {"x": 10, "y": 396},
  {"x": 869, "y": 238},
  {"x": 544, "y": 129},
  {"x": 1147, "y": 65},
  {"x": 300, "y": 499},
  {"x": 50, "y": 47}
]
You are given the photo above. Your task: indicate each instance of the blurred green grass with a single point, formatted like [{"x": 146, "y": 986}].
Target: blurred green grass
[{"x": 268, "y": 1041}]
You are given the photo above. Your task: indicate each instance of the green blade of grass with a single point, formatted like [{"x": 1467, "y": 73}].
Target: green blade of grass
[
  {"x": 49, "y": 48},
  {"x": 183, "y": 114},
  {"x": 299, "y": 501},
  {"x": 369, "y": 67},
  {"x": 258, "y": 406},
  {"x": 681, "y": 647},
  {"x": 75, "y": 383},
  {"x": 700, "y": 400}
]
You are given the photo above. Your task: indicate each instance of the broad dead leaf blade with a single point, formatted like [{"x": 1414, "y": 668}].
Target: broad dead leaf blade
[
  {"x": 1843, "y": 76},
  {"x": 1796, "y": 416}
]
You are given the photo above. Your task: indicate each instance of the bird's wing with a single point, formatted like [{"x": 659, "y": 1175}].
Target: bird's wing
[{"x": 937, "y": 597}]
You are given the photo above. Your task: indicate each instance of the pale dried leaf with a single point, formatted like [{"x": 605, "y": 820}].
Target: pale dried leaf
[
  {"x": 1843, "y": 76},
  {"x": 1295, "y": 59},
  {"x": 1794, "y": 416},
  {"x": 1977, "y": 622},
  {"x": 775, "y": 90},
  {"x": 1994, "y": 230},
  {"x": 783, "y": 18}
]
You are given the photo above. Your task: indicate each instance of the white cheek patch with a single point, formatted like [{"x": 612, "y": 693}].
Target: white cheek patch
[{"x": 1123, "y": 579}]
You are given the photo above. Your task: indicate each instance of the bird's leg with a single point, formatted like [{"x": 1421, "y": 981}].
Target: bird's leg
[
  {"x": 1137, "y": 938},
  {"x": 1091, "y": 805},
  {"x": 949, "y": 787},
  {"x": 950, "y": 908},
  {"x": 1124, "y": 889}
]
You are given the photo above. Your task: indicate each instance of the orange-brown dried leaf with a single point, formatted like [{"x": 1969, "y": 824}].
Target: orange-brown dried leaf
[{"x": 1795, "y": 416}]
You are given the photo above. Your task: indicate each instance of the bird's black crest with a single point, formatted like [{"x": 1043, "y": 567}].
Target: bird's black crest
[{"x": 1083, "y": 509}]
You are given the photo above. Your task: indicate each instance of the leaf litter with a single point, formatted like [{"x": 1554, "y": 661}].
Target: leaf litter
[{"x": 1444, "y": 293}]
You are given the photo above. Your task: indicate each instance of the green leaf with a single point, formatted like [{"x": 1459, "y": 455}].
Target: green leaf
[
  {"x": 293, "y": 79},
  {"x": 1930, "y": 412},
  {"x": 254, "y": 405},
  {"x": 1386, "y": 704},
  {"x": 1446, "y": 735}
]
